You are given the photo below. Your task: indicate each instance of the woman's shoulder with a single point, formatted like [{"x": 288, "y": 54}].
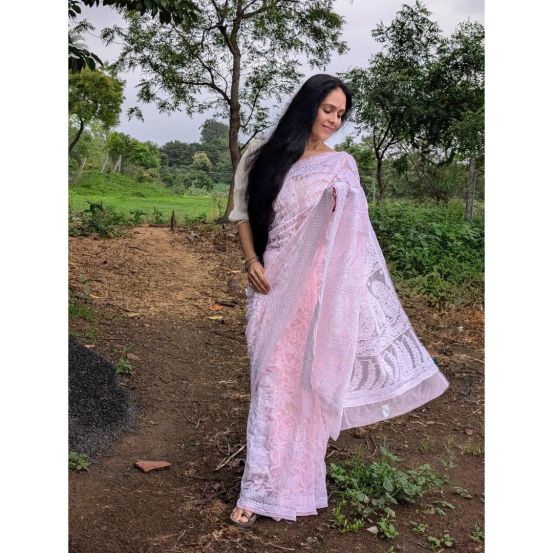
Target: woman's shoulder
[{"x": 345, "y": 159}]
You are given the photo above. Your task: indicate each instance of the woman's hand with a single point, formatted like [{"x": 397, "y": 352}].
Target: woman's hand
[{"x": 256, "y": 276}]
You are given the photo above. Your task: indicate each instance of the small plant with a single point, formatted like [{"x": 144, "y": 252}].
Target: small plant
[
  {"x": 419, "y": 527},
  {"x": 477, "y": 533},
  {"x": 137, "y": 215},
  {"x": 473, "y": 449},
  {"x": 462, "y": 492},
  {"x": 444, "y": 504},
  {"x": 123, "y": 366},
  {"x": 77, "y": 311},
  {"x": 343, "y": 523},
  {"x": 449, "y": 461},
  {"x": 425, "y": 445},
  {"x": 436, "y": 543},
  {"x": 387, "y": 528},
  {"x": 434, "y": 510},
  {"x": 158, "y": 216},
  {"x": 78, "y": 461},
  {"x": 201, "y": 218}
]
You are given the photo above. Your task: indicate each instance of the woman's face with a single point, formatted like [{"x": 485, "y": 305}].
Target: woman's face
[{"x": 329, "y": 116}]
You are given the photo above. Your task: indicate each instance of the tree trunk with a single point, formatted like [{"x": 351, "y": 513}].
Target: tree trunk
[
  {"x": 380, "y": 178},
  {"x": 118, "y": 164},
  {"x": 82, "y": 166},
  {"x": 234, "y": 119},
  {"x": 471, "y": 186},
  {"x": 173, "y": 221},
  {"x": 77, "y": 136}
]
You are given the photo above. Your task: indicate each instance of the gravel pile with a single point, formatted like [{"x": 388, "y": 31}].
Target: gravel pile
[{"x": 99, "y": 408}]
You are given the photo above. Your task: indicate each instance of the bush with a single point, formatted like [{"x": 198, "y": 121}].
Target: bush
[
  {"x": 432, "y": 250},
  {"x": 99, "y": 219}
]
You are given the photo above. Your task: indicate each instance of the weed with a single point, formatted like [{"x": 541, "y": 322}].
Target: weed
[
  {"x": 445, "y": 504},
  {"x": 373, "y": 489},
  {"x": 77, "y": 311},
  {"x": 477, "y": 533},
  {"x": 137, "y": 216},
  {"x": 449, "y": 461},
  {"x": 99, "y": 219},
  {"x": 426, "y": 445},
  {"x": 343, "y": 523},
  {"x": 473, "y": 449},
  {"x": 462, "y": 492},
  {"x": 87, "y": 334},
  {"x": 158, "y": 216},
  {"x": 387, "y": 528},
  {"x": 123, "y": 366},
  {"x": 78, "y": 461},
  {"x": 419, "y": 527},
  {"x": 434, "y": 510},
  {"x": 201, "y": 218},
  {"x": 436, "y": 543}
]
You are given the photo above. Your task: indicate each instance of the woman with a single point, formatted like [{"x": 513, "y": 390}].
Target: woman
[{"x": 329, "y": 344}]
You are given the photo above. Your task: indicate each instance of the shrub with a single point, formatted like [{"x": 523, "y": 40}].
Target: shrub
[
  {"x": 432, "y": 250},
  {"x": 97, "y": 218}
]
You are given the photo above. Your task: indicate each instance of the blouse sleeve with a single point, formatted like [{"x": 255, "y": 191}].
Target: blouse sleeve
[{"x": 239, "y": 212}]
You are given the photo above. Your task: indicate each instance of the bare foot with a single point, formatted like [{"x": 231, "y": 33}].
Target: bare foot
[{"x": 241, "y": 515}]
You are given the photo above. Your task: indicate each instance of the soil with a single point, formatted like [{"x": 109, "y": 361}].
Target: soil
[{"x": 153, "y": 293}]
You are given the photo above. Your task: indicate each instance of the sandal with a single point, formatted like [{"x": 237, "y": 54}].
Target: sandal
[{"x": 251, "y": 519}]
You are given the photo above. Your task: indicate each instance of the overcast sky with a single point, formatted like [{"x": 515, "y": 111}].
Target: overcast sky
[{"x": 361, "y": 16}]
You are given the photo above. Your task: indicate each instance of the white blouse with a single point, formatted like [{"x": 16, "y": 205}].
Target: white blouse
[{"x": 239, "y": 212}]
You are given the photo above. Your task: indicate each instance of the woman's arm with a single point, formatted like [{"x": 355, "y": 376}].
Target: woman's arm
[{"x": 256, "y": 271}]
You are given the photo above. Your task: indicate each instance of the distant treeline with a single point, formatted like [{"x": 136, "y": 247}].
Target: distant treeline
[{"x": 183, "y": 166}]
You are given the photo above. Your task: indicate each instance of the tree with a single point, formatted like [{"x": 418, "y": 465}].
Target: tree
[
  {"x": 236, "y": 55},
  {"x": 133, "y": 152},
  {"x": 201, "y": 162},
  {"x": 417, "y": 89},
  {"x": 465, "y": 57},
  {"x": 167, "y": 10},
  {"x": 389, "y": 92},
  {"x": 94, "y": 95},
  {"x": 78, "y": 53},
  {"x": 213, "y": 130}
]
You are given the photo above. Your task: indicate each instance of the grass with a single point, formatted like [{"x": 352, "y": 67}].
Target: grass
[
  {"x": 79, "y": 311},
  {"x": 476, "y": 450},
  {"x": 124, "y": 194}
]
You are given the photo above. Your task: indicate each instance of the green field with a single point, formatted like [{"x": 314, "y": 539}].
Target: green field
[{"x": 125, "y": 194}]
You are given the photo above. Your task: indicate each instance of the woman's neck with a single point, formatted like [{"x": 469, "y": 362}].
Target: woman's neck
[{"x": 314, "y": 146}]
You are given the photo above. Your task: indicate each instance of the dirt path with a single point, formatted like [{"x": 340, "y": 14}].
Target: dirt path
[{"x": 152, "y": 293}]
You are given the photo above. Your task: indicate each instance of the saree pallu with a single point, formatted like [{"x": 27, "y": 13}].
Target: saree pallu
[{"x": 330, "y": 345}]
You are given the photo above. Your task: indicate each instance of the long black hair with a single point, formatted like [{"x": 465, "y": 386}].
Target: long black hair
[{"x": 268, "y": 165}]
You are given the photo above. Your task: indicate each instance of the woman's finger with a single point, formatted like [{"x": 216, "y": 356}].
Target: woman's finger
[{"x": 259, "y": 280}]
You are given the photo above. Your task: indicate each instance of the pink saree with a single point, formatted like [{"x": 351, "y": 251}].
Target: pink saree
[{"x": 330, "y": 345}]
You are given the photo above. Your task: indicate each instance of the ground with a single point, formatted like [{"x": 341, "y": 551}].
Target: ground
[{"x": 152, "y": 292}]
